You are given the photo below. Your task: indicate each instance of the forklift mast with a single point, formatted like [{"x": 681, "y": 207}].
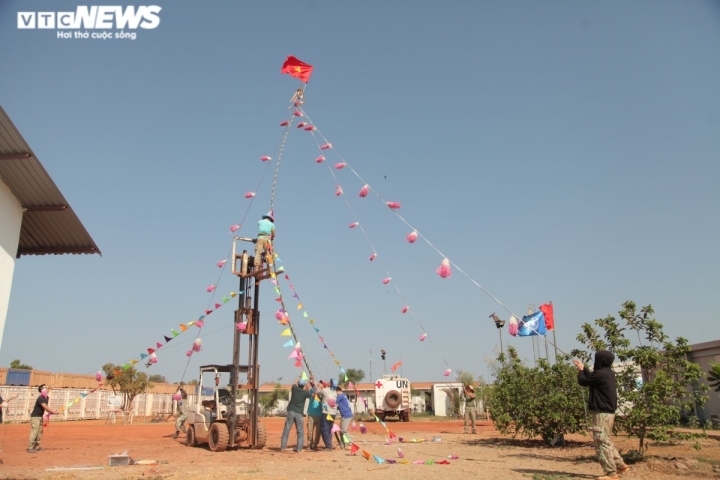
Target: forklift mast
[{"x": 247, "y": 314}]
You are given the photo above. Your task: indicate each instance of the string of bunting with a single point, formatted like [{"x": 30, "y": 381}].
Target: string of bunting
[
  {"x": 444, "y": 270},
  {"x": 354, "y": 448},
  {"x": 300, "y": 306},
  {"x": 151, "y": 354}
]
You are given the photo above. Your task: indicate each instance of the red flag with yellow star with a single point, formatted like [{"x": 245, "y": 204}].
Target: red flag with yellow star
[{"x": 296, "y": 68}]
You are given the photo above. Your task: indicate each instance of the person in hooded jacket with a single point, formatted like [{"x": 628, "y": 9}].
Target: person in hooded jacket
[{"x": 602, "y": 404}]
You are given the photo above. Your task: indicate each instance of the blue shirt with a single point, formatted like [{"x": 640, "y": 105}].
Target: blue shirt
[
  {"x": 343, "y": 404},
  {"x": 265, "y": 227}
]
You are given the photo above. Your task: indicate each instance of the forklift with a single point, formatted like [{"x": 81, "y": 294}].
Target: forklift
[{"x": 228, "y": 421}]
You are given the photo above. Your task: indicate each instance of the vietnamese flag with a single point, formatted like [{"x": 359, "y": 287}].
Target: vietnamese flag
[
  {"x": 296, "y": 68},
  {"x": 395, "y": 367},
  {"x": 547, "y": 309}
]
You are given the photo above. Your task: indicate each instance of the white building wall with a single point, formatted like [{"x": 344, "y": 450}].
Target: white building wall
[
  {"x": 441, "y": 402},
  {"x": 10, "y": 222}
]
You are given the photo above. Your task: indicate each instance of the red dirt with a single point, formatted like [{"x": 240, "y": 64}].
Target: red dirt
[{"x": 485, "y": 455}]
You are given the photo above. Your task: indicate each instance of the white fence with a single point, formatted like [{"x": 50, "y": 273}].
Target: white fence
[{"x": 100, "y": 404}]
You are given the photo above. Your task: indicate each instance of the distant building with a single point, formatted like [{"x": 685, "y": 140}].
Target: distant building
[
  {"x": 35, "y": 218},
  {"x": 703, "y": 354}
]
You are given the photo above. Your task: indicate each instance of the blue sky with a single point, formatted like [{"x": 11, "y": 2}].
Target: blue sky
[{"x": 555, "y": 151}]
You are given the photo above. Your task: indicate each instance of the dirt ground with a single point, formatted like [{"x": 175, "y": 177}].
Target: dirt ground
[{"x": 70, "y": 446}]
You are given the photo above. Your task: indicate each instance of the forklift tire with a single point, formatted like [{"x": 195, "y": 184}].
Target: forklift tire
[
  {"x": 190, "y": 439},
  {"x": 262, "y": 435},
  {"x": 218, "y": 437},
  {"x": 393, "y": 399}
]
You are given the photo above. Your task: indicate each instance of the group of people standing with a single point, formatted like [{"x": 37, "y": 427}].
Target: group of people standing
[{"x": 325, "y": 402}]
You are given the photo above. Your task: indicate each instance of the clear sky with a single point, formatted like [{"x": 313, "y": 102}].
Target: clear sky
[{"x": 564, "y": 151}]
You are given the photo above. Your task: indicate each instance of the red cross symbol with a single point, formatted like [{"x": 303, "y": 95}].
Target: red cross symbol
[{"x": 378, "y": 384}]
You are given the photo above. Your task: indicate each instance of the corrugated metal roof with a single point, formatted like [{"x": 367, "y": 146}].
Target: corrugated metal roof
[{"x": 49, "y": 225}]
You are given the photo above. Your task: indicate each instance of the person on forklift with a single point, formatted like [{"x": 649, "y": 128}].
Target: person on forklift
[
  {"x": 298, "y": 395},
  {"x": 266, "y": 235}
]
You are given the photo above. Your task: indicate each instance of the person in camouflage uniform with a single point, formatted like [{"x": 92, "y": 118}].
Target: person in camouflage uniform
[
  {"x": 602, "y": 403},
  {"x": 469, "y": 396},
  {"x": 182, "y": 412}
]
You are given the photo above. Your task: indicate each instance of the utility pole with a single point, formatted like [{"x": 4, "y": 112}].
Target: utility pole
[
  {"x": 382, "y": 355},
  {"x": 371, "y": 377},
  {"x": 499, "y": 324}
]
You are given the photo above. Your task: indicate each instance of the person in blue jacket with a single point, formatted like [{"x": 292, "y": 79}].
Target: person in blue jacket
[{"x": 346, "y": 414}]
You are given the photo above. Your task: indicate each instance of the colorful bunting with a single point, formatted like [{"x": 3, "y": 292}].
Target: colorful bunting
[
  {"x": 183, "y": 327},
  {"x": 364, "y": 191},
  {"x": 234, "y": 228}
]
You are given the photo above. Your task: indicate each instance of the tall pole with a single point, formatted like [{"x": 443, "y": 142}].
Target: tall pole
[
  {"x": 501, "y": 344},
  {"x": 371, "y": 377},
  {"x": 499, "y": 324}
]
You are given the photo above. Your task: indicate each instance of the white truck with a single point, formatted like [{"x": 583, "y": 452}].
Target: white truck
[{"x": 392, "y": 397}]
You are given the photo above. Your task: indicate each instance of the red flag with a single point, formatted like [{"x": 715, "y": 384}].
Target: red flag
[
  {"x": 395, "y": 367},
  {"x": 296, "y": 68},
  {"x": 353, "y": 449},
  {"x": 547, "y": 310}
]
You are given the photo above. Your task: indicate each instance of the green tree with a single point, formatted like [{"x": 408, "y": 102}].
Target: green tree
[
  {"x": 657, "y": 386},
  {"x": 544, "y": 400},
  {"x": 269, "y": 402},
  {"x": 714, "y": 376},
  {"x": 454, "y": 397},
  {"x": 465, "y": 377},
  {"x": 157, "y": 379},
  {"x": 354, "y": 375},
  {"x": 127, "y": 380},
  {"x": 17, "y": 364}
]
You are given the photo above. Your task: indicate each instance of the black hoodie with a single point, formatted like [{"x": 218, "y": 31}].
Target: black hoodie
[{"x": 603, "y": 389}]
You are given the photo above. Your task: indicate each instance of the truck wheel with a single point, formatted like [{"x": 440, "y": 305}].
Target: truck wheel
[
  {"x": 190, "y": 439},
  {"x": 262, "y": 435},
  {"x": 380, "y": 415},
  {"x": 218, "y": 437},
  {"x": 393, "y": 399},
  {"x": 406, "y": 416}
]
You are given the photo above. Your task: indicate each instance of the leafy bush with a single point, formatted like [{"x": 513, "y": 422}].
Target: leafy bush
[{"x": 544, "y": 401}]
